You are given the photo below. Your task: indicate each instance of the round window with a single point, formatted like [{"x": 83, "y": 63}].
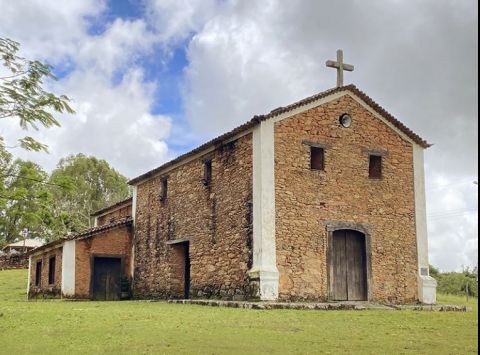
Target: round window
[{"x": 346, "y": 120}]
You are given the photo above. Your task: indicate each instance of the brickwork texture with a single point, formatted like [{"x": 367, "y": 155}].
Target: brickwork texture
[
  {"x": 215, "y": 217},
  {"x": 307, "y": 199},
  {"x": 45, "y": 289},
  {"x": 115, "y": 243},
  {"x": 115, "y": 215}
]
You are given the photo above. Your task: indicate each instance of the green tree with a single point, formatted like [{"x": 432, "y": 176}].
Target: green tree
[
  {"x": 22, "y": 94},
  {"x": 94, "y": 185},
  {"x": 434, "y": 272},
  {"x": 24, "y": 200}
]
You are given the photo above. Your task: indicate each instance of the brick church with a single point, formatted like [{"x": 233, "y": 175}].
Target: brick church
[{"x": 323, "y": 199}]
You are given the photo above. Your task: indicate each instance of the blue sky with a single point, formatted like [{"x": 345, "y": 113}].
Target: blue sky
[
  {"x": 161, "y": 66},
  {"x": 151, "y": 79}
]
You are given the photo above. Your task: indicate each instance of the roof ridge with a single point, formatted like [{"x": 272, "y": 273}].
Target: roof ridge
[
  {"x": 119, "y": 203},
  {"x": 383, "y": 112},
  {"x": 94, "y": 230},
  {"x": 86, "y": 233},
  {"x": 283, "y": 109}
]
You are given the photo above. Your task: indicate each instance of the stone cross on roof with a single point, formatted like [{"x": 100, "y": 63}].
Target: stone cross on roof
[{"x": 340, "y": 66}]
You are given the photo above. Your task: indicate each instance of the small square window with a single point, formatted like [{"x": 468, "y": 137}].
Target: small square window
[
  {"x": 207, "y": 172},
  {"x": 51, "y": 270},
  {"x": 164, "y": 189},
  {"x": 317, "y": 158},
  {"x": 375, "y": 167}
]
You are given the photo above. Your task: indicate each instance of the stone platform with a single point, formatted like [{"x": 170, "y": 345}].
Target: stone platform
[{"x": 357, "y": 306}]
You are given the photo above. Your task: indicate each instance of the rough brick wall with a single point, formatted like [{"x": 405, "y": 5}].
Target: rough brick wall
[
  {"x": 114, "y": 242},
  {"x": 216, "y": 218},
  {"x": 344, "y": 192},
  {"x": 45, "y": 289},
  {"x": 115, "y": 215}
]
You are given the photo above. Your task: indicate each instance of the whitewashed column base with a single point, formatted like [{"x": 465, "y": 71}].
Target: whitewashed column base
[
  {"x": 68, "y": 269},
  {"x": 427, "y": 289},
  {"x": 264, "y": 284}
]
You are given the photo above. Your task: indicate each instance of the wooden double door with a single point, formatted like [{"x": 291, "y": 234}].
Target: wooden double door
[
  {"x": 349, "y": 266},
  {"x": 107, "y": 278}
]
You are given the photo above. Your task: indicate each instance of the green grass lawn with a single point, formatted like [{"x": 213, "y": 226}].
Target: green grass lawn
[{"x": 51, "y": 327}]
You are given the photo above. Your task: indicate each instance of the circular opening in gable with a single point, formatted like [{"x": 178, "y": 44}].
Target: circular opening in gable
[{"x": 346, "y": 120}]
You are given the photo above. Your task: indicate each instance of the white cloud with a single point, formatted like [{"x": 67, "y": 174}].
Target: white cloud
[
  {"x": 48, "y": 29},
  {"x": 175, "y": 20},
  {"x": 248, "y": 67},
  {"x": 453, "y": 222},
  {"x": 120, "y": 45},
  {"x": 255, "y": 56},
  {"x": 116, "y": 122},
  {"x": 112, "y": 99},
  {"x": 111, "y": 122},
  {"x": 419, "y": 60}
]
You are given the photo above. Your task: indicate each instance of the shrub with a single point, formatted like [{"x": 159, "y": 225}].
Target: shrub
[{"x": 455, "y": 283}]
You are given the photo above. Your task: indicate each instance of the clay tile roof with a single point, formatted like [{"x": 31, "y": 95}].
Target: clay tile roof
[
  {"x": 281, "y": 110},
  {"x": 96, "y": 230},
  {"x": 127, "y": 201},
  {"x": 87, "y": 233}
]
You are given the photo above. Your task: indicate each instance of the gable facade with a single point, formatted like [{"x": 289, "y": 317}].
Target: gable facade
[{"x": 310, "y": 204}]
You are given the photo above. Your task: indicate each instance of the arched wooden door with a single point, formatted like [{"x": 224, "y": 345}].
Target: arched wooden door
[{"x": 349, "y": 266}]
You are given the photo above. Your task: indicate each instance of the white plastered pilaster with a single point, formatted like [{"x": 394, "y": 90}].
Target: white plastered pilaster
[
  {"x": 68, "y": 268},
  {"x": 427, "y": 285},
  {"x": 264, "y": 268},
  {"x": 29, "y": 275}
]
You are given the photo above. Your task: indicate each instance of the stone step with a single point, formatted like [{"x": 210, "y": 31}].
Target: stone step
[{"x": 358, "y": 306}]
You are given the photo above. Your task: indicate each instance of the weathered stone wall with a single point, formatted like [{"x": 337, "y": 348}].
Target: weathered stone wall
[
  {"x": 114, "y": 242},
  {"x": 13, "y": 261},
  {"x": 343, "y": 192},
  {"x": 115, "y": 215},
  {"x": 45, "y": 289},
  {"x": 216, "y": 218}
]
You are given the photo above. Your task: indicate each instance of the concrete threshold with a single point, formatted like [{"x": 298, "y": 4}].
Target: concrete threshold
[{"x": 357, "y": 306}]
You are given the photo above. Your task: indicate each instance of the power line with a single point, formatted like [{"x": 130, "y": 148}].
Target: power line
[
  {"x": 449, "y": 216},
  {"x": 462, "y": 210},
  {"x": 456, "y": 183}
]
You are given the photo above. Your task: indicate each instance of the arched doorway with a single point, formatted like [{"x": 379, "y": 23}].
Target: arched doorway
[{"x": 349, "y": 266}]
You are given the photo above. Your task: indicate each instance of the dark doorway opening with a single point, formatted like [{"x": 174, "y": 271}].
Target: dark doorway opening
[
  {"x": 106, "y": 276},
  {"x": 349, "y": 266},
  {"x": 180, "y": 264},
  {"x": 186, "y": 293}
]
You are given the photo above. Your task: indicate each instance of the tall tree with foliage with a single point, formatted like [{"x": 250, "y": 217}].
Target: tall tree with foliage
[
  {"x": 94, "y": 185},
  {"x": 22, "y": 95},
  {"x": 6, "y": 169},
  {"x": 25, "y": 200}
]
